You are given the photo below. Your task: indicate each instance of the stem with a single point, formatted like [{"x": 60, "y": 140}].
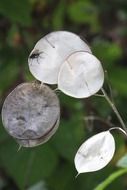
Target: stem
[
  {"x": 120, "y": 129},
  {"x": 114, "y": 109},
  {"x": 110, "y": 179}
]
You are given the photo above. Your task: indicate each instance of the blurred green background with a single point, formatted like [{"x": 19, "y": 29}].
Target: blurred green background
[{"x": 103, "y": 24}]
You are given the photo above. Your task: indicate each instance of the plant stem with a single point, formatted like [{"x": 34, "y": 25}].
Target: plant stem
[
  {"x": 110, "y": 179},
  {"x": 120, "y": 129},
  {"x": 114, "y": 109}
]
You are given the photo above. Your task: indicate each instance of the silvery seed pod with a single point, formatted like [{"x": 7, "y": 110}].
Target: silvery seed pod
[
  {"x": 81, "y": 75},
  {"x": 51, "y": 51},
  {"x": 31, "y": 114}
]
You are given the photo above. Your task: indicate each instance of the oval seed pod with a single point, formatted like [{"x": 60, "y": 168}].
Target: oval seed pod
[
  {"x": 31, "y": 114},
  {"x": 81, "y": 75},
  {"x": 95, "y": 153},
  {"x": 51, "y": 51}
]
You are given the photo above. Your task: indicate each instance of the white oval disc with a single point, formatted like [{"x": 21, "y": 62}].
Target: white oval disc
[
  {"x": 81, "y": 75},
  {"x": 95, "y": 153},
  {"x": 51, "y": 51}
]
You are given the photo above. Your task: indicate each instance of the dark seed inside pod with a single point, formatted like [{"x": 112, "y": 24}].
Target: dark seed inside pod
[{"x": 31, "y": 114}]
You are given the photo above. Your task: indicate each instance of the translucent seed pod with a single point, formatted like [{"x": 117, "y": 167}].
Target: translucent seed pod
[
  {"x": 95, "y": 153},
  {"x": 31, "y": 114},
  {"x": 81, "y": 75},
  {"x": 51, "y": 51}
]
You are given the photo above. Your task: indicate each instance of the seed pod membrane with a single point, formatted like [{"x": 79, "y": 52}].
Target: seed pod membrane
[
  {"x": 95, "y": 153},
  {"x": 31, "y": 114},
  {"x": 81, "y": 75},
  {"x": 51, "y": 51}
]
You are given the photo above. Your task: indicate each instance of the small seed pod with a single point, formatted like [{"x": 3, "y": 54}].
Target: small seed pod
[
  {"x": 81, "y": 75},
  {"x": 31, "y": 114},
  {"x": 95, "y": 153},
  {"x": 51, "y": 51}
]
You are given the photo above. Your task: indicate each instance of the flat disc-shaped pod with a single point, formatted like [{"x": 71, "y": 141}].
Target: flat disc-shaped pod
[
  {"x": 95, "y": 153},
  {"x": 51, "y": 51},
  {"x": 81, "y": 75},
  {"x": 31, "y": 114}
]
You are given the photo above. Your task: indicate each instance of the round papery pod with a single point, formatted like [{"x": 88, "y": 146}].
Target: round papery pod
[
  {"x": 31, "y": 114},
  {"x": 81, "y": 75},
  {"x": 51, "y": 51},
  {"x": 95, "y": 153}
]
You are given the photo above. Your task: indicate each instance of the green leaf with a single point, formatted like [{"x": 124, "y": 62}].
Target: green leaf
[
  {"x": 16, "y": 10},
  {"x": 118, "y": 79},
  {"x": 122, "y": 162},
  {"x": 84, "y": 12},
  {"x": 58, "y": 16},
  {"x": 64, "y": 177},
  {"x": 106, "y": 51},
  {"x": 68, "y": 138},
  {"x": 27, "y": 166},
  {"x": 11, "y": 70},
  {"x": 110, "y": 179},
  {"x": 38, "y": 186}
]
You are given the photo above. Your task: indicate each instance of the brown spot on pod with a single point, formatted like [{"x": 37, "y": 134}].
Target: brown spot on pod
[{"x": 31, "y": 114}]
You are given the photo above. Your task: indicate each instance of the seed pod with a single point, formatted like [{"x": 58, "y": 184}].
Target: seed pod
[
  {"x": 31, "y": 114},
  {"x": 95, "y": 153},
  {"x": 81, "y": 75},
  {"x": 51, "y": 51}
]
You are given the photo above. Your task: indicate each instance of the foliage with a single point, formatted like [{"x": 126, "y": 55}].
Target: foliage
[
  {"x": 50, "y": 166},
  {"x": 110, "y": 179}
]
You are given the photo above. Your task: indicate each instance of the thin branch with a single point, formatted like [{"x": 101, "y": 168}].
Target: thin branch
[{"x": 114, "y": 109}]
